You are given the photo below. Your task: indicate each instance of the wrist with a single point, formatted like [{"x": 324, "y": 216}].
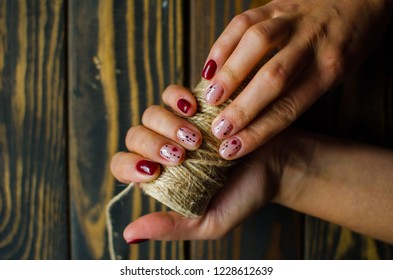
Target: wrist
[{"x": 295, "y": 158}]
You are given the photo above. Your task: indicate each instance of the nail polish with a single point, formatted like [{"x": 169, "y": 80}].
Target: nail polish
[
  {"x": 230, "y": 147},
  {"x": 214, "y": 93},
  {"x": 171, "y": 153},
  {"x": 209, "y": 69},
  {"x": 146, "y": 167},
  {"x": 188, "y": 136},
  {"x": 222, "y": 128},
  {"x": 183, "y": 105},
  {"x": 137, "y": 241}
]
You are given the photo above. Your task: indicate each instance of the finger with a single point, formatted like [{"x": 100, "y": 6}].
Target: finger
[
  {"x": 180, "y": 100},
  {"x": 276, "y": 117},
  {"x": 231, "y": 36},
  {"x": 130, "y": 167},
  {"x": 161, "y": 226},
  {"x": 154, "y": 146},
  {"x": 167, "y": 124},
  {"x": 268, "y": 84},
  {"x": 254, "y": 45}
]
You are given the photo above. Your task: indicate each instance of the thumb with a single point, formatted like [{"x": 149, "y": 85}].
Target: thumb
[{"x": 164, "y": 226}]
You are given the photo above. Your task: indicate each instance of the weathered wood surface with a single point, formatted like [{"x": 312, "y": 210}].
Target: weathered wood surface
[
  {"x": 33, "y": 184},
  {"x": 122, "y": 56}
]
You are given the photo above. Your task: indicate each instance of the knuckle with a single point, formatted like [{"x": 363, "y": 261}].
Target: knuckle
[
  {"x": 284, "y": 111},
  {"x": 254, "y": 137},
  {"x": 332, "y": 63},
  {"x": 277, "y": 76},
  {"x": 242, "y": 21},
  {"x": 230, "y": 74},
  {"x": 238, "y": 115},
  {"x": 259, "y": 34}
]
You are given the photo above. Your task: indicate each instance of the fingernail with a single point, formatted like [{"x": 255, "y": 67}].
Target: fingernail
[
  {"x": 171, "y": 153},
  {"x": 188, "y": 136},
  {"x": 209, "y": 69},
  {"x": 146, "y": 167},
  {"x": 213, "y": 93},
  {"x": 230, "y": 147},
  {"x": 222, "y": 128},
  {"x": 183, "y": 105},
  {"x": 137, "y": 241}
]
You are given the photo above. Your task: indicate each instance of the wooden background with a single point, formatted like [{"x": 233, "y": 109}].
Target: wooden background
[{"x": 75, "y": 75}]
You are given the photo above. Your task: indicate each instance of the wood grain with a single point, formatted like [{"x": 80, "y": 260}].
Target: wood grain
[
  {"x": 33, "y": 193},
  {"x": 59, "y": 130},
  {"x": 122, "y": 56}
]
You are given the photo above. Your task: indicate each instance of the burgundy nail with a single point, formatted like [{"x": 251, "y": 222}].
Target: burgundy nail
[
  {"x": 209, "y": 69},
  {"x": 146, "y": 167},
  {"x": 183, "y": 105},
  {"x": 137, "y": 241},
  {"x": 230, "y": 147}
]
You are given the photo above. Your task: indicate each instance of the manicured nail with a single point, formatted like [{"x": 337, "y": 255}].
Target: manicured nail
[
  {"x": 171, "y": 153},
  {"x": 213, "y": 93},
  {"x": 230, "y": 147},
  {"x": 188, "y": 136},
  {"x": 209, "y": 69},
  {"x": 137, "y": 241},
  {"x": 146, "y": 167},
  {"x": 183, "y": 105},
  {"x": 222, "y": 128}
]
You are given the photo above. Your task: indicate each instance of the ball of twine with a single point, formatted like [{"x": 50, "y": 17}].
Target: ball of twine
[{"x": 188, "y": 188}]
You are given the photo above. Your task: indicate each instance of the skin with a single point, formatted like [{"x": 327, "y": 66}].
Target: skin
[
  {"x": 316, "y": 43},
  {"x": 345, "y": 183}
]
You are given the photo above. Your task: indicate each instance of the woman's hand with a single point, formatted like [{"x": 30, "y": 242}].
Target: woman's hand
[
  {"x": 251, "y": 185},
  {"x": 150, "y": 145},
  {"x": 316, "y": 44}
]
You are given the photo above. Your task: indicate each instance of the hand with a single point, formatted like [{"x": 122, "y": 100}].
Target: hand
[
  {"x": 251, "y": 185},
  {"x": 316, "y": 43}
]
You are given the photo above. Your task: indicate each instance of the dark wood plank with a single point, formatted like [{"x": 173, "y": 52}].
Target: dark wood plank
[
  {"x": 122, "y": 55},
  {"x": 274, "y": 232},
  {"x": 360, "y": 109},
  {"x": 33, "y": 189}
]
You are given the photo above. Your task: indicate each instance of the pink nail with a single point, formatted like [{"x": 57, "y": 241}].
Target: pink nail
[
  {"x": 222, "y": 128},
  {"x": 188, "y": 136},
  {"x": 171, "y": 153},
  {"x": 230, "y": 147},
  {"x": 214, "y": 93}
]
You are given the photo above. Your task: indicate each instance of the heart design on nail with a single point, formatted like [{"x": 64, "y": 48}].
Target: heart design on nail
[{"x": 174, "y": 149}]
